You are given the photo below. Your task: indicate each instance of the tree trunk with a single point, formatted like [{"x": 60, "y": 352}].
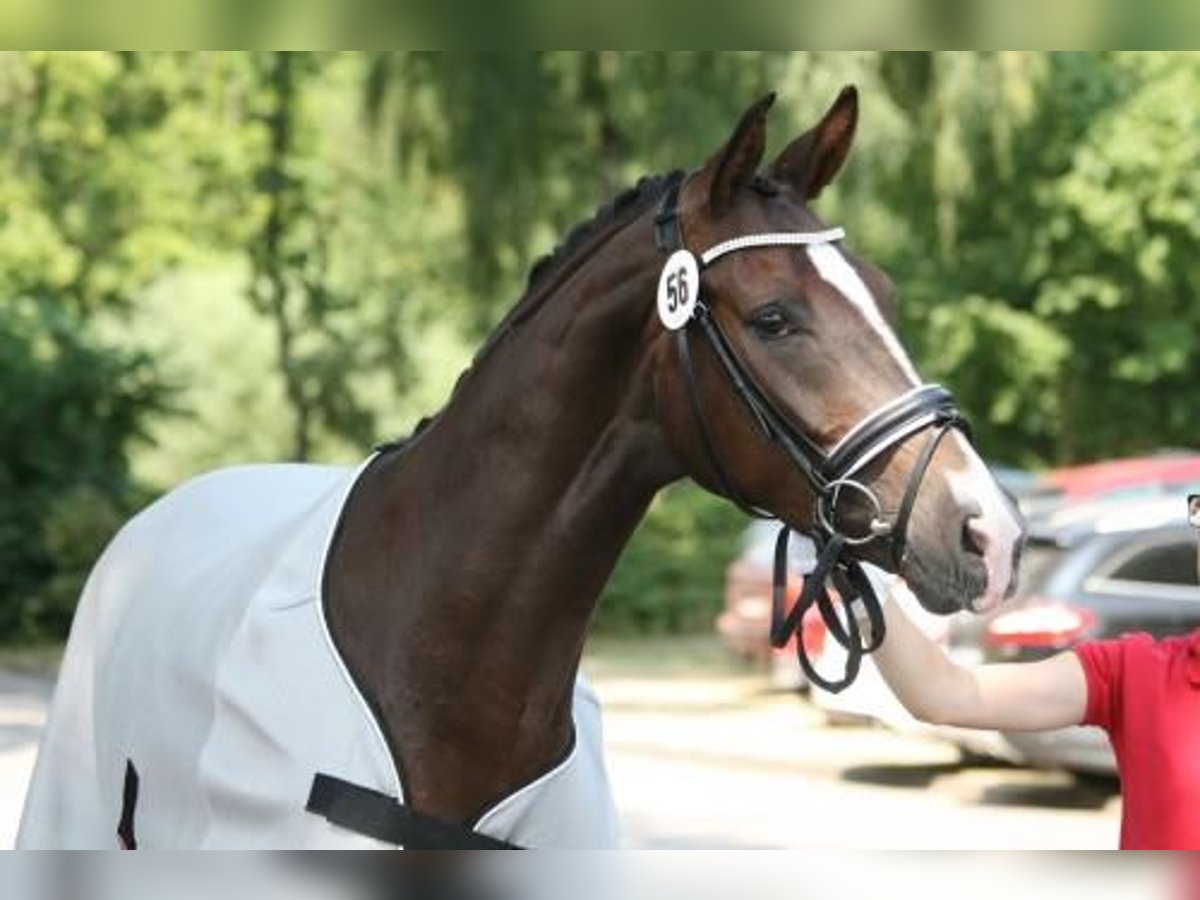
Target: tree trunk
[{"x": 272, "y": 259}]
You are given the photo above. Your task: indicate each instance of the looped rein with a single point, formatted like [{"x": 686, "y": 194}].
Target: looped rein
[{"x": 830, "y": 474}]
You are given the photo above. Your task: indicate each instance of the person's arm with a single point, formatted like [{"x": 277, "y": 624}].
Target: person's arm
[{"x": 1006, "y": 696}]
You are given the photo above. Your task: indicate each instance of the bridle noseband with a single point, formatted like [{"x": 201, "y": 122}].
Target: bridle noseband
[{"x": 832, "y": 475}]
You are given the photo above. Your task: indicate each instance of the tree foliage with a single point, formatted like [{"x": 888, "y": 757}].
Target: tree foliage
[
  {"x": 212, "y": 256},
  {"x": 82, "y": 231}
]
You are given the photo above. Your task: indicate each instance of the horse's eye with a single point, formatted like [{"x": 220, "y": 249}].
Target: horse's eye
[{"x": 771, "y": 322}]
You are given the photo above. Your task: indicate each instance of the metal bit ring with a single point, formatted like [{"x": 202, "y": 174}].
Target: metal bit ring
[{"x": 827, "y": 505}]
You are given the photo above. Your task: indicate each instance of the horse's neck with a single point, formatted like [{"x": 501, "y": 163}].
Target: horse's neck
[{"x": 470, "y": 568}]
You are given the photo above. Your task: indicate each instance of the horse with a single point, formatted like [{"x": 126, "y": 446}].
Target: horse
[{"x": 388, "y": 655}]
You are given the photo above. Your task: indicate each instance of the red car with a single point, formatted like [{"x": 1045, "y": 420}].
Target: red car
[{"x": 1132, "y": 478}]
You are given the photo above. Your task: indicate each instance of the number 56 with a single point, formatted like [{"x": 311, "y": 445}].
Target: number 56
[{"x": 677, "y": 290}]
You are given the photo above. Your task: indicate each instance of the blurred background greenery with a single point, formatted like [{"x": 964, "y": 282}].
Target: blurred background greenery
[{"x": 221, "y": 257}]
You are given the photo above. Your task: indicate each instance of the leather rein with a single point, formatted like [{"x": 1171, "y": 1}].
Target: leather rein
[{"x": 831, "y": 475}]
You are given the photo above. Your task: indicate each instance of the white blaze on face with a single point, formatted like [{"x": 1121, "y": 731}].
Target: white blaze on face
[
  {"x": 997, "y": 528},
  {"x": 834, "y": 268}
]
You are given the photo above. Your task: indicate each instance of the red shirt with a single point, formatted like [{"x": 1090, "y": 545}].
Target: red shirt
[{"x": 1146, "y": 695}]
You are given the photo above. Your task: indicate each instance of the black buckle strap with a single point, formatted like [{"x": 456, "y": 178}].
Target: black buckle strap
[
  {"x": 383, "y": 818},
  {"x": 126, "y": 829}
]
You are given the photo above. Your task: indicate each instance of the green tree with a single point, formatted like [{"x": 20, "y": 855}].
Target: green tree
[
  {"x": 1059, "y": 300},
  {"x": 1117, "y": 255},
  {"x": 313, "y": 242},
  {"x": 70, "y": 409},
  {"x": 533, "y": 140},
  {"x": 89, "y": 216},
  {"x": 320, "y": 290}
]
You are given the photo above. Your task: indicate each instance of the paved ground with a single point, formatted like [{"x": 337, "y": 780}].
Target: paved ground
[
  {"x": 23, "y": 702},
  {"x": 706, "y": 765},
  {"x": 701, "y": 757}
]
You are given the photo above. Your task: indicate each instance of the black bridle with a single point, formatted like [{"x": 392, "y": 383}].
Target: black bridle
[{"x": 831, "y": 475}]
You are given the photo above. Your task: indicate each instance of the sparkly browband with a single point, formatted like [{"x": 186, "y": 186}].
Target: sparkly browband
[{"x": 772, "y": 239}]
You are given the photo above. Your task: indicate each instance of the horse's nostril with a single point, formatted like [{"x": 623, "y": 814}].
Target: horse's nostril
[{"x": 975, "y": 538}]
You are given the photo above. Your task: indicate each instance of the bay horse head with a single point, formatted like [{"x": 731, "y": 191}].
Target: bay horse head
[{"x": 781, "y": 384}]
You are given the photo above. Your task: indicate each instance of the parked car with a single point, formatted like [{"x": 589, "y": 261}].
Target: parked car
[
  {"x": 1143, "y": 477},
  {"x": 1094, "y": 571}
]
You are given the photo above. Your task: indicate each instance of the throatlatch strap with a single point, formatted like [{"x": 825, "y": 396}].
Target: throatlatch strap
[
  {"x": 129, "y": 799},
  {"x": 383, "y": 818}
]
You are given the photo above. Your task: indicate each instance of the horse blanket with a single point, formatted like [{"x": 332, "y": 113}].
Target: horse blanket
[{"x": 200, "y": 656}]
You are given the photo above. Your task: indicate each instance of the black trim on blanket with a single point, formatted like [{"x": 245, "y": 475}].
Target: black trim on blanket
[
  {"x": 129, "y": 799},
  {"x": 383, "y": 818}
]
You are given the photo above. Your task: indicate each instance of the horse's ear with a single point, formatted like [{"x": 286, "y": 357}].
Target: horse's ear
[
  {"x": 737, "y": 162},
  {"x": 812, "y": 161}
]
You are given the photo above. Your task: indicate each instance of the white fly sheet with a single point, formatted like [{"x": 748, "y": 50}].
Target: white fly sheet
[{"x": 200, "y": 654}]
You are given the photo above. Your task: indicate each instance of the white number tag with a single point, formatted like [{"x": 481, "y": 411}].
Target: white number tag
[{"x": 678, "y": 290}]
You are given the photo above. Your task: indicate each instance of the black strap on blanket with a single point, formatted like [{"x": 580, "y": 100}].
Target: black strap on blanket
[
  {"x": 129, "y": 800},
  {"x": 381, "y": 817}
]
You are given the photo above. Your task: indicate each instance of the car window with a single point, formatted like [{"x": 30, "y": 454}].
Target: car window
[{"x": 1170, "y": 563}]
